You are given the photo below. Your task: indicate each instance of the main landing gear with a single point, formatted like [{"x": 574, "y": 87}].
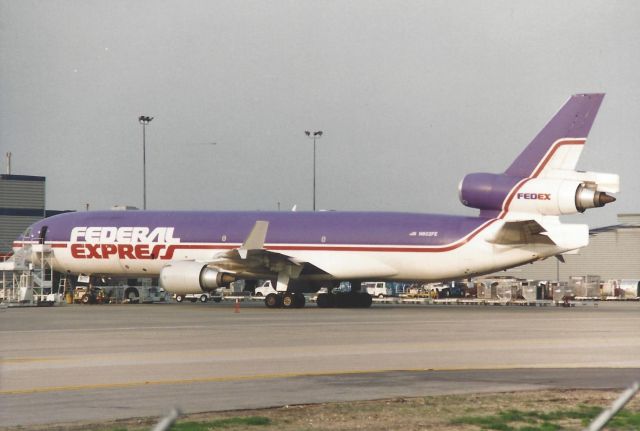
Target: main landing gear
[
  {"x": 356, "y": 298},
  {"x": 285, "y": 300}
]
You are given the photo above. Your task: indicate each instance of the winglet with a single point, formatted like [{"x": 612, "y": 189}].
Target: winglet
[{"x": 255, "y": 240}]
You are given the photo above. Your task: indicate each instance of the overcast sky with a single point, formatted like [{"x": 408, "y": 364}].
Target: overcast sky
[{"x": 410, "y": 95}]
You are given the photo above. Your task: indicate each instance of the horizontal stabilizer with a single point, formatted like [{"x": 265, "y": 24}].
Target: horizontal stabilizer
[{"x": 521, "y": 232}]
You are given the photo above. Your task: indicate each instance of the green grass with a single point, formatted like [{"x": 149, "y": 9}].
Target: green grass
[
  {"x": 222, "y": 424},
  {"x": 512, "y": 420},
  {"x": 625, "y": 420}
]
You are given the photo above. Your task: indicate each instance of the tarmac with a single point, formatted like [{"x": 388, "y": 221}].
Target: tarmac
[{"x": 102, "y": 362}]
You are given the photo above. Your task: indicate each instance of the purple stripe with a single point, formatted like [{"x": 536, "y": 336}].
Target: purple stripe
[
  {"x": 574, "y": 120},
  {"x": 337, "y": 228},
  {"x": 486, "y": 192}
]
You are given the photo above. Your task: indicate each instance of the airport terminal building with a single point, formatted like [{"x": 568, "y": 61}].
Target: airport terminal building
[
  {"x": 22, "y": 203},
  {"x": 613, "y": 253}
]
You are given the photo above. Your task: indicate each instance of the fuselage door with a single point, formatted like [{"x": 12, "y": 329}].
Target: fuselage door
[{"x": 43, "y": 234}]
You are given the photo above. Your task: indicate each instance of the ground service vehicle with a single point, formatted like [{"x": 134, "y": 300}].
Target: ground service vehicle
[
  {"x": 265, "y": 289},
  {"x": 202, "y": 297},
  {"x": 377, "y": 289}
]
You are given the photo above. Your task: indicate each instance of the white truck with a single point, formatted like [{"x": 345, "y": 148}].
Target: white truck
[
  {"x": 202, "y": 297},
  {"x": 264, "y": 289},
  {"x": 378, "y": 289}
]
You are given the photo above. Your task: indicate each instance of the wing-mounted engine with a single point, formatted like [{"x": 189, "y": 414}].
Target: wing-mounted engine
[
  {"x": 193, "y": 277},
  {"x": 558, "y": 193}
]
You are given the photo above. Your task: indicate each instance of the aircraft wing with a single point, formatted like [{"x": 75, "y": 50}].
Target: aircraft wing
[{"x": 251, "y": 259}]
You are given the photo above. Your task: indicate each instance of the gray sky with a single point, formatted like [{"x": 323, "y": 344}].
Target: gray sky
[{"x": 411, "y": 95}]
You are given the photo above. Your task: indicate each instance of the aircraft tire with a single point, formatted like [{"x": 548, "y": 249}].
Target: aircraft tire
[
  {"x": 365, "y": 300},
  {"x": 288, "y": 300},
  {"x": 324, "y": 301},
  {"x": 299, "y": 300},
  {"x": 345, "y": 300},
  {"x": 273, "y": 300}
]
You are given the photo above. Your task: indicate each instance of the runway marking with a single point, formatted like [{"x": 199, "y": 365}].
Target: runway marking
[
  {"x": 273, "y": 376},
  {"x": 278, "y": 323},
  {"x": 22, "y": 360},
  {"x": 110, "y": 329}
]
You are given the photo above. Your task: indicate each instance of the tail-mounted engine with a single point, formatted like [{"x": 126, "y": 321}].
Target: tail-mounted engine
[
  {"x": 192, "y": 277},
  {"x": 563, "y": 192}
]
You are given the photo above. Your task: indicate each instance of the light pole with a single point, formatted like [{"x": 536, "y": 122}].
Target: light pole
[
  {"x": 144, "y": 121},
  {"x": 314, "y": 136}
]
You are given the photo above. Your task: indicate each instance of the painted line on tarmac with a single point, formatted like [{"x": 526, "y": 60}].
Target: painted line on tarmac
[
  {"x": 109, "y": 329},
  {"x": 23, "y": 360},
  {"x": 273, "y": 376}
]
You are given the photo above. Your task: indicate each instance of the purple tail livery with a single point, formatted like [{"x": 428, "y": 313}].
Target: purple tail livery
[{"x": 191, "y": 252}]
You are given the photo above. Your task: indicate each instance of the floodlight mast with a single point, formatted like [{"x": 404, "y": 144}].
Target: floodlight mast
[
  {"x": 144, "y": 120},
  {"x": 314, "y": 135}
]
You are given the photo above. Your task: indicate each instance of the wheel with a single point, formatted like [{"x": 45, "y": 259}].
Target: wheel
[
  {"x": 203, "y": 298},
  {"x": 381, "y": 296},
  {"x": 299, "y": 300},
  {"x": 324, "y": 300},
  {"x": 273, "y": 300},
  {"x": 258, "y": 294},
  {"x": 364, "y": 300},
  {"x": 340, "y": 300},
  {"x": 288, "y": 300},
  {"x": 86, "y": 298},
  {"x": 179, "y": 298}
]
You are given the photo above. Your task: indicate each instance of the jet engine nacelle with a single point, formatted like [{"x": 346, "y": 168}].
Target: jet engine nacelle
[
  {"x": 544, "y": 196},
  {"x": 192, "y": 277}
]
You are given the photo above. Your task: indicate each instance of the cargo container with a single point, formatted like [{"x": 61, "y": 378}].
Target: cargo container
[
  {"x": 532, "y": 290},
  {"x": 630, "y": 288},
  {"x": 585, "y": 286},
  {"x": 561, "y": 291}
]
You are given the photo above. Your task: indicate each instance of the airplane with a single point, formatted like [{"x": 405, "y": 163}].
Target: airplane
[{"x": 193, "y": 252}]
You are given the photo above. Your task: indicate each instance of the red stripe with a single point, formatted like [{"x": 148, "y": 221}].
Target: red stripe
[
  {"x": 511, "y": 196},
  {"x": 553, "y": 151},
  {"x": 329, "y": 247},
  {"x": 537, "y": 172}
]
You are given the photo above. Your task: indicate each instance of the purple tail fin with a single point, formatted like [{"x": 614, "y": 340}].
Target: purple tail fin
[{"x": 559, "y": 144}]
